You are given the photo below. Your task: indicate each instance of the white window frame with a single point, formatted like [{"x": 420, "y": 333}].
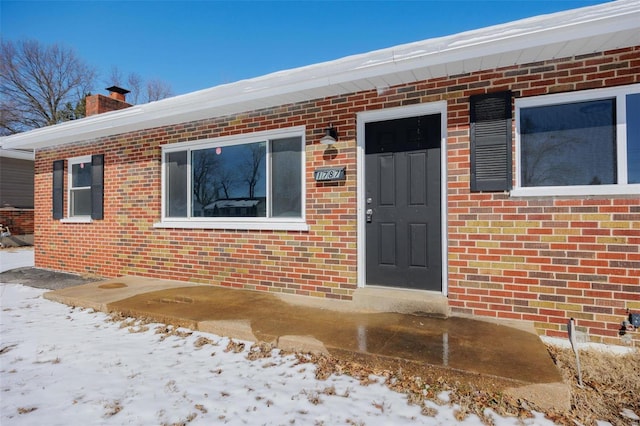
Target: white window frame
[
  {"x": 620, "y": 188},
  {"x": 70, "y": 162},
  {"x": 236, "y": 223}
]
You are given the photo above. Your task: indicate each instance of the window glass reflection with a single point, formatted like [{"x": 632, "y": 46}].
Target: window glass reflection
[
  {"x": 229, "y": 181},
  {"x": 633, "y": 138},
  {"x": 81, "y": 202},
  {"x": 569, "y": 144},
  {"x": 176, "y": 184},
  {"x": 81, "y": 174},
  {"x": 286, "y": 187}
]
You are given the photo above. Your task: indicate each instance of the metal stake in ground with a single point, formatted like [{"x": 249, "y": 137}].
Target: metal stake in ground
[{"x": 571, "y": 329}]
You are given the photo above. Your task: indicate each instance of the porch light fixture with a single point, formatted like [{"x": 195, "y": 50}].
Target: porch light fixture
[{"x": 330, "y": 137}]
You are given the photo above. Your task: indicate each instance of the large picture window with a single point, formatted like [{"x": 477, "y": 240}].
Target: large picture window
[
  {"x": 246, "y": 181},
  {"x": 579, "y": 143}
]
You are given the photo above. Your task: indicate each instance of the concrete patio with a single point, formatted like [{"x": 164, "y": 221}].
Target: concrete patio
[{"x": 492, "y": 356}]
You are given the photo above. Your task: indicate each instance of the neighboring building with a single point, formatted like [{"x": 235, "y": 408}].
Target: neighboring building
[
  {"x": 16, "y": 195},
  {"x": 493, "y": 173},
  {"x": 225, "y": 207},
  {"x": 16, "y": 179}
]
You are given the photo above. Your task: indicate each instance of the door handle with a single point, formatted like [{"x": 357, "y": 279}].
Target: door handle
[{"x": 369, "y": 215}]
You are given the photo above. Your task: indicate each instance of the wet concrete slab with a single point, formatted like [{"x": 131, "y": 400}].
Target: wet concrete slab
[{"x": 498, "y": 356}]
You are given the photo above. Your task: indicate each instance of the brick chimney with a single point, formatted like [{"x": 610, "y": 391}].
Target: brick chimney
[{"x": 98, "y": 104}]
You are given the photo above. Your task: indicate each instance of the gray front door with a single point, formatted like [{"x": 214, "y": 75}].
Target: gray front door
[{"x": 402, "y": 203}]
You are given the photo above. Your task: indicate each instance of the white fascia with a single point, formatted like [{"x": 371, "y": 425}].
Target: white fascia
[{"x": 17, "y": 154}]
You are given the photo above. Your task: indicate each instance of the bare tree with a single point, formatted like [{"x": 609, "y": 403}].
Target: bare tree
[
  {"x": 9, "y": 117},
  {"x": 40, "y": 85},
  {"x": 227, "y": 179},
  {"x": 255, "y": 154},
  {"x": 205, "y": 189},
  {"x": 158, "y": 89},
  {"x": 140, "y": 92},
  {"x": 115, "y": 77},
  {"x": 134, "y": 83}
]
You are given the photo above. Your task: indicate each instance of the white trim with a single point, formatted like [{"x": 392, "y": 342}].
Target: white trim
[
  {"x": 266, "y": 223},
  {"x": 271, "y": 225},
  {"x": 76, "y": 219},
  {"x": 622, "y": 187},
  {"x": 242, "y": 138},
  {"x": 621, "y": 136},
  {"x": 17, "y": 154},
  {"x": 577, "y": 96},
  {"x": 80, "y": 159},
  {"x": 70, "y": 162},
  {"x": 578, "y": 191},
  {"x": 444, "y": 173},
  {"x": 390, "y": 114}
]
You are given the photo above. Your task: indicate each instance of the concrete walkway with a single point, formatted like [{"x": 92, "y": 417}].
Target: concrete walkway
[{"x": 491, "y": 356}]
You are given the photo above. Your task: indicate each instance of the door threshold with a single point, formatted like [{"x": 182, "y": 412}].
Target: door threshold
[{"x": 405, "y": 301}]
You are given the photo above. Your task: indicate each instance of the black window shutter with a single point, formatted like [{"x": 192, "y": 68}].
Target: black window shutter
[
  {"x": 491, "y": 142},
  {"x": 58, "y": 189},
  {"x": 97, "y": 186}
]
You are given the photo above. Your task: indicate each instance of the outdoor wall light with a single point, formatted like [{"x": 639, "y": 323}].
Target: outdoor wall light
[{"x": 330, "y": 137}]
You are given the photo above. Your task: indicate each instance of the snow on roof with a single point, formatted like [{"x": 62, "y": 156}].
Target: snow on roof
[{"x": 586, "y": 30}]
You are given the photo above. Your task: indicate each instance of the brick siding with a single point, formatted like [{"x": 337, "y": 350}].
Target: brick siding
[
  {"x": 19, "y": 221},
  {"x": 542, "y": 260},
  {"x": 98, "y": 104}
]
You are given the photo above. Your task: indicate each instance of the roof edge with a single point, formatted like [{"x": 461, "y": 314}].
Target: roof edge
[{"x": 284, "y": 86}]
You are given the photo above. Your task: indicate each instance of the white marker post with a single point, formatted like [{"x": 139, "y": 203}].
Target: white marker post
[{"x": 571, "y": 329}]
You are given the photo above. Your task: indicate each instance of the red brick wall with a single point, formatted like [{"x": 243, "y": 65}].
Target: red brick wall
[
  {"x": 98, "y": 104},
  {"x": 542, "y": 260},
  {"x": 19, "y": 221},
  {"x": 125, "y": 242}
]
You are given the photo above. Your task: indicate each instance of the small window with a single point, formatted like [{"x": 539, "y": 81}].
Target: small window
[
  {"x": 580, "y": 143},
  {"x": 80, "y": 187},
  {"x": 254, "y": 179}
]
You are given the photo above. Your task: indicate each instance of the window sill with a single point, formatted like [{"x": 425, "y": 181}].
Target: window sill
[
  {"x": 230, "y": 225},
  {"x": 76, "y": 220},
  {"x": 568, "y": 191}
]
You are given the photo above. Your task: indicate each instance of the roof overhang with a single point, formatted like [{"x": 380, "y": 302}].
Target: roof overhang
[
  {"x": 17, "y": 154},
  {"x": 582, "y": 31}
]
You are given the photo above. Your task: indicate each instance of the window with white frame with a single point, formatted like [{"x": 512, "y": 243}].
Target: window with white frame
[
  {"x": 578, "y": 143},
  {"x": 80, "y": 187},
  {"x": 255, "y": 178},
  {"x": 84, "y": 189}
]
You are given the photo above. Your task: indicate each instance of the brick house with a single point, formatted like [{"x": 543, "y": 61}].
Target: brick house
[{"x": 493, "y": 173}]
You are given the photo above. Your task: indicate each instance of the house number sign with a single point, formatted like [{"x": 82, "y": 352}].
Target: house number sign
[{"x": 329, "y": 174}]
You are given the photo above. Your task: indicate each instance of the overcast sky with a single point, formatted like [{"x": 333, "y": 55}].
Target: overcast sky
[{"x": 194, "y": 45}]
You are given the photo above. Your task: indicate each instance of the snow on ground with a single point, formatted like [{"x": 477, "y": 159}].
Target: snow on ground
[
  {"x": 61, "y": 365},
  {"x": 64, "y": 365},
  {"x": 15, "y": 258}
]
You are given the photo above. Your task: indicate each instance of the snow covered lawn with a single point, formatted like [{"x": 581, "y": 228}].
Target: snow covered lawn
[
  {"x": 62, "y": 366},
  {"x": 15, "y": 258}
]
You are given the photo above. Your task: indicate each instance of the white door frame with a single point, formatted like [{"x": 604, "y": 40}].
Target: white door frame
[{"x": 392, "y": 114}]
